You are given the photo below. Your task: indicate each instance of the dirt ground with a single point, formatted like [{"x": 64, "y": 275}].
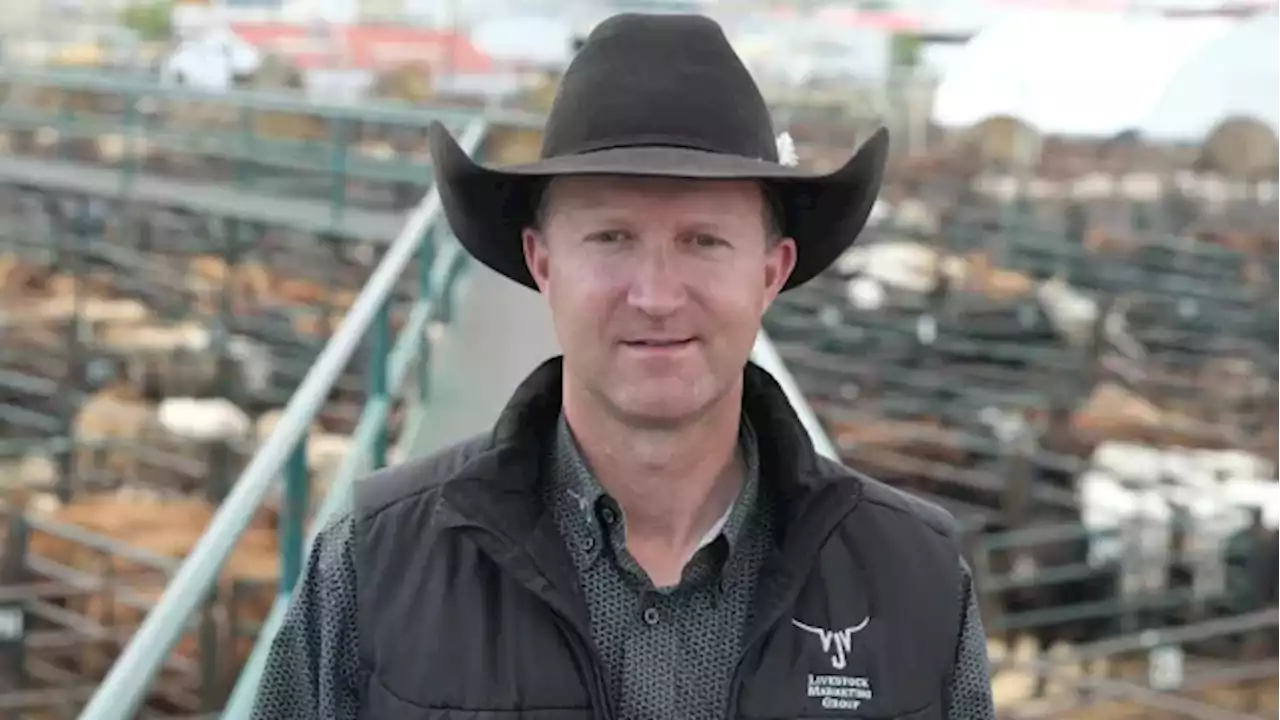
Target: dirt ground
[{"x": 1013, "y": 689}]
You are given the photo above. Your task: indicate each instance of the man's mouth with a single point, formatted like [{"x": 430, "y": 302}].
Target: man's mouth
[{"x": 658, "y": 342}]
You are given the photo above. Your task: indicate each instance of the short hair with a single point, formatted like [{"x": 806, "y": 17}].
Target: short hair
[{"x": 773, "y": 210}]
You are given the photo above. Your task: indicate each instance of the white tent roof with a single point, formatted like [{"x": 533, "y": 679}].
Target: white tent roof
[
  {"x": 525, "y": 38},
  {"x": 1099, "y": 75},
  {"x": 1237, "y": 74}
]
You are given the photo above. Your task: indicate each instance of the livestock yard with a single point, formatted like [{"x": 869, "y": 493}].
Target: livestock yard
[
  {"x": 146, "y": 350},
  {"x": 1072, "y": 346}
]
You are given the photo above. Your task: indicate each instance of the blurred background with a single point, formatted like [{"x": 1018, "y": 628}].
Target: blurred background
[{"x": 226, "y": 292}]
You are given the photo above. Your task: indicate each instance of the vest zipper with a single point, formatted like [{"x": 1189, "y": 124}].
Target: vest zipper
[
  {"x": 830, "y": 515},
  {"x": 602, "y": 704}
]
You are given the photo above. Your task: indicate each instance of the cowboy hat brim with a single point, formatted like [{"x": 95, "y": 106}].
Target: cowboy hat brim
[{"x": 488, "y": 208}]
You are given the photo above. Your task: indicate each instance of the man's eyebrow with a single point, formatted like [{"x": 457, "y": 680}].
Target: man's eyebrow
[{"x": 596, "y": 213}]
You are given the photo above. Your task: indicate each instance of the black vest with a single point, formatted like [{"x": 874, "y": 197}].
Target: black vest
[{"x": 470, "y": 607}]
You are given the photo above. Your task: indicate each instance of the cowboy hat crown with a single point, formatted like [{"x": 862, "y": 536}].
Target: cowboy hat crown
[
  {"x": 657, "y": 95},
  {"x": 650, "y": 81}
]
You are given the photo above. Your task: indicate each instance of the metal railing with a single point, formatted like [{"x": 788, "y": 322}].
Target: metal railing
[
  {"x": 279, "y": 143},
  {"x": 126, "y": 686},
  {"x": 382, "y": 112}
]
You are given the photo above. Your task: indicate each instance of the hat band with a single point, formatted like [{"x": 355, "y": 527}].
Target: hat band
[{"x": 655, "y": 141}]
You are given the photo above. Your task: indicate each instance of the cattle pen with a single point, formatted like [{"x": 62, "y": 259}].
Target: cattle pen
[
  {"x": 159, "y": 305},
  {"x": 72, "y": 596},
  {"x": 1116, "y": 507},
  {"x": 1066, "y": 335},
  {"x": 129, "y": 409}
]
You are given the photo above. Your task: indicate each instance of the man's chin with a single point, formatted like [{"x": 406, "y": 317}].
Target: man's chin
[{"x": 662, "y": 402}]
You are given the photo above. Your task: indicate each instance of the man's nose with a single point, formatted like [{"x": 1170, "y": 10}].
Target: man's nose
[{"x": 657, "y": 287}]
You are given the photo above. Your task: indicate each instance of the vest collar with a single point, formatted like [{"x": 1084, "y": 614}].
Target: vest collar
[
  {"x": 530, "y": 417},
  {"x": 497, "y": 495},
  {"x": 499, "y": 489}
]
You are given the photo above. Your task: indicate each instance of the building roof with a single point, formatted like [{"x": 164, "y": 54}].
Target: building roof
[
  {"x": 367, "y": 47},
  {"x": 1098, "y": 75}
]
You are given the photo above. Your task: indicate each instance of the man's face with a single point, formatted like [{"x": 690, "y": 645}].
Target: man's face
[{"x": 657, "y": 287}]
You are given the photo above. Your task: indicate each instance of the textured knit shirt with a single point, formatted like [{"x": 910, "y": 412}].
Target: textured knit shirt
[
  {"x": 667, "y": 652},
  {"x": 312, "y": 671}
]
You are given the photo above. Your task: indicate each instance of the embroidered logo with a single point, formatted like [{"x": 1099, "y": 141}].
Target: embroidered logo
[
  {"x": 836, "y": 643},
  {"x": 840, "y": 692}
]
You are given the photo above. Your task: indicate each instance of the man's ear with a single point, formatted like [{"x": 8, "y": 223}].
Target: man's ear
[
  {"x": 535, "y": 256},
  {"x": 779, "y": 262}
]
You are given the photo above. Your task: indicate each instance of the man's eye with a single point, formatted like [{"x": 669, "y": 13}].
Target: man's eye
[
  {"x": 707, "y": 241},
  {"x": 608, "y": 236}
]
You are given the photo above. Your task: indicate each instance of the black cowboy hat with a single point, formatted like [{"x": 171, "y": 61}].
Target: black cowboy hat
[{"x": 657, "y": 95}]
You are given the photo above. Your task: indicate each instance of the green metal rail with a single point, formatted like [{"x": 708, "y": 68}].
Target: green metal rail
[
  {"x": 257, "y": 160},
  {"x": 126, "y": 686},
  {"x": 378, "y": 112}
]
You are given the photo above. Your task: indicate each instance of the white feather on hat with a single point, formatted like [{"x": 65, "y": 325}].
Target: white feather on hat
[{"x": 787, "y": 150}]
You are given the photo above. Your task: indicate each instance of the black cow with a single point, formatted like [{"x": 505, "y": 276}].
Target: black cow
[{"x": 1064, "y": 600}]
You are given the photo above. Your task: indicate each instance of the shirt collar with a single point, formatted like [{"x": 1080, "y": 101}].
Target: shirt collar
[{"x": 573, "y": 477}]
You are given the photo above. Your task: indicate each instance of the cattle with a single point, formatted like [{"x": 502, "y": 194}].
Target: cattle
[
  {"x": 1074, "y": 600},
  {"x": 1066, "y": 333},
  {"x": 179, "y": 444},
  {"x": 1161, "y": 537},
  {"x": 326, "y": 453},
  {"x": 168, "y": 528}
]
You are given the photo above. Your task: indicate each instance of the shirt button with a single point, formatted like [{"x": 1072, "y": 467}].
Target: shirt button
[
  {"x": 610, "y": 517},
  {"x": 651, "y": 616},
  {"x": 589, "y": 542}
]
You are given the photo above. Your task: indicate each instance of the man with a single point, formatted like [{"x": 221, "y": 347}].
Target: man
[{"x": 647, "y": 532}]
